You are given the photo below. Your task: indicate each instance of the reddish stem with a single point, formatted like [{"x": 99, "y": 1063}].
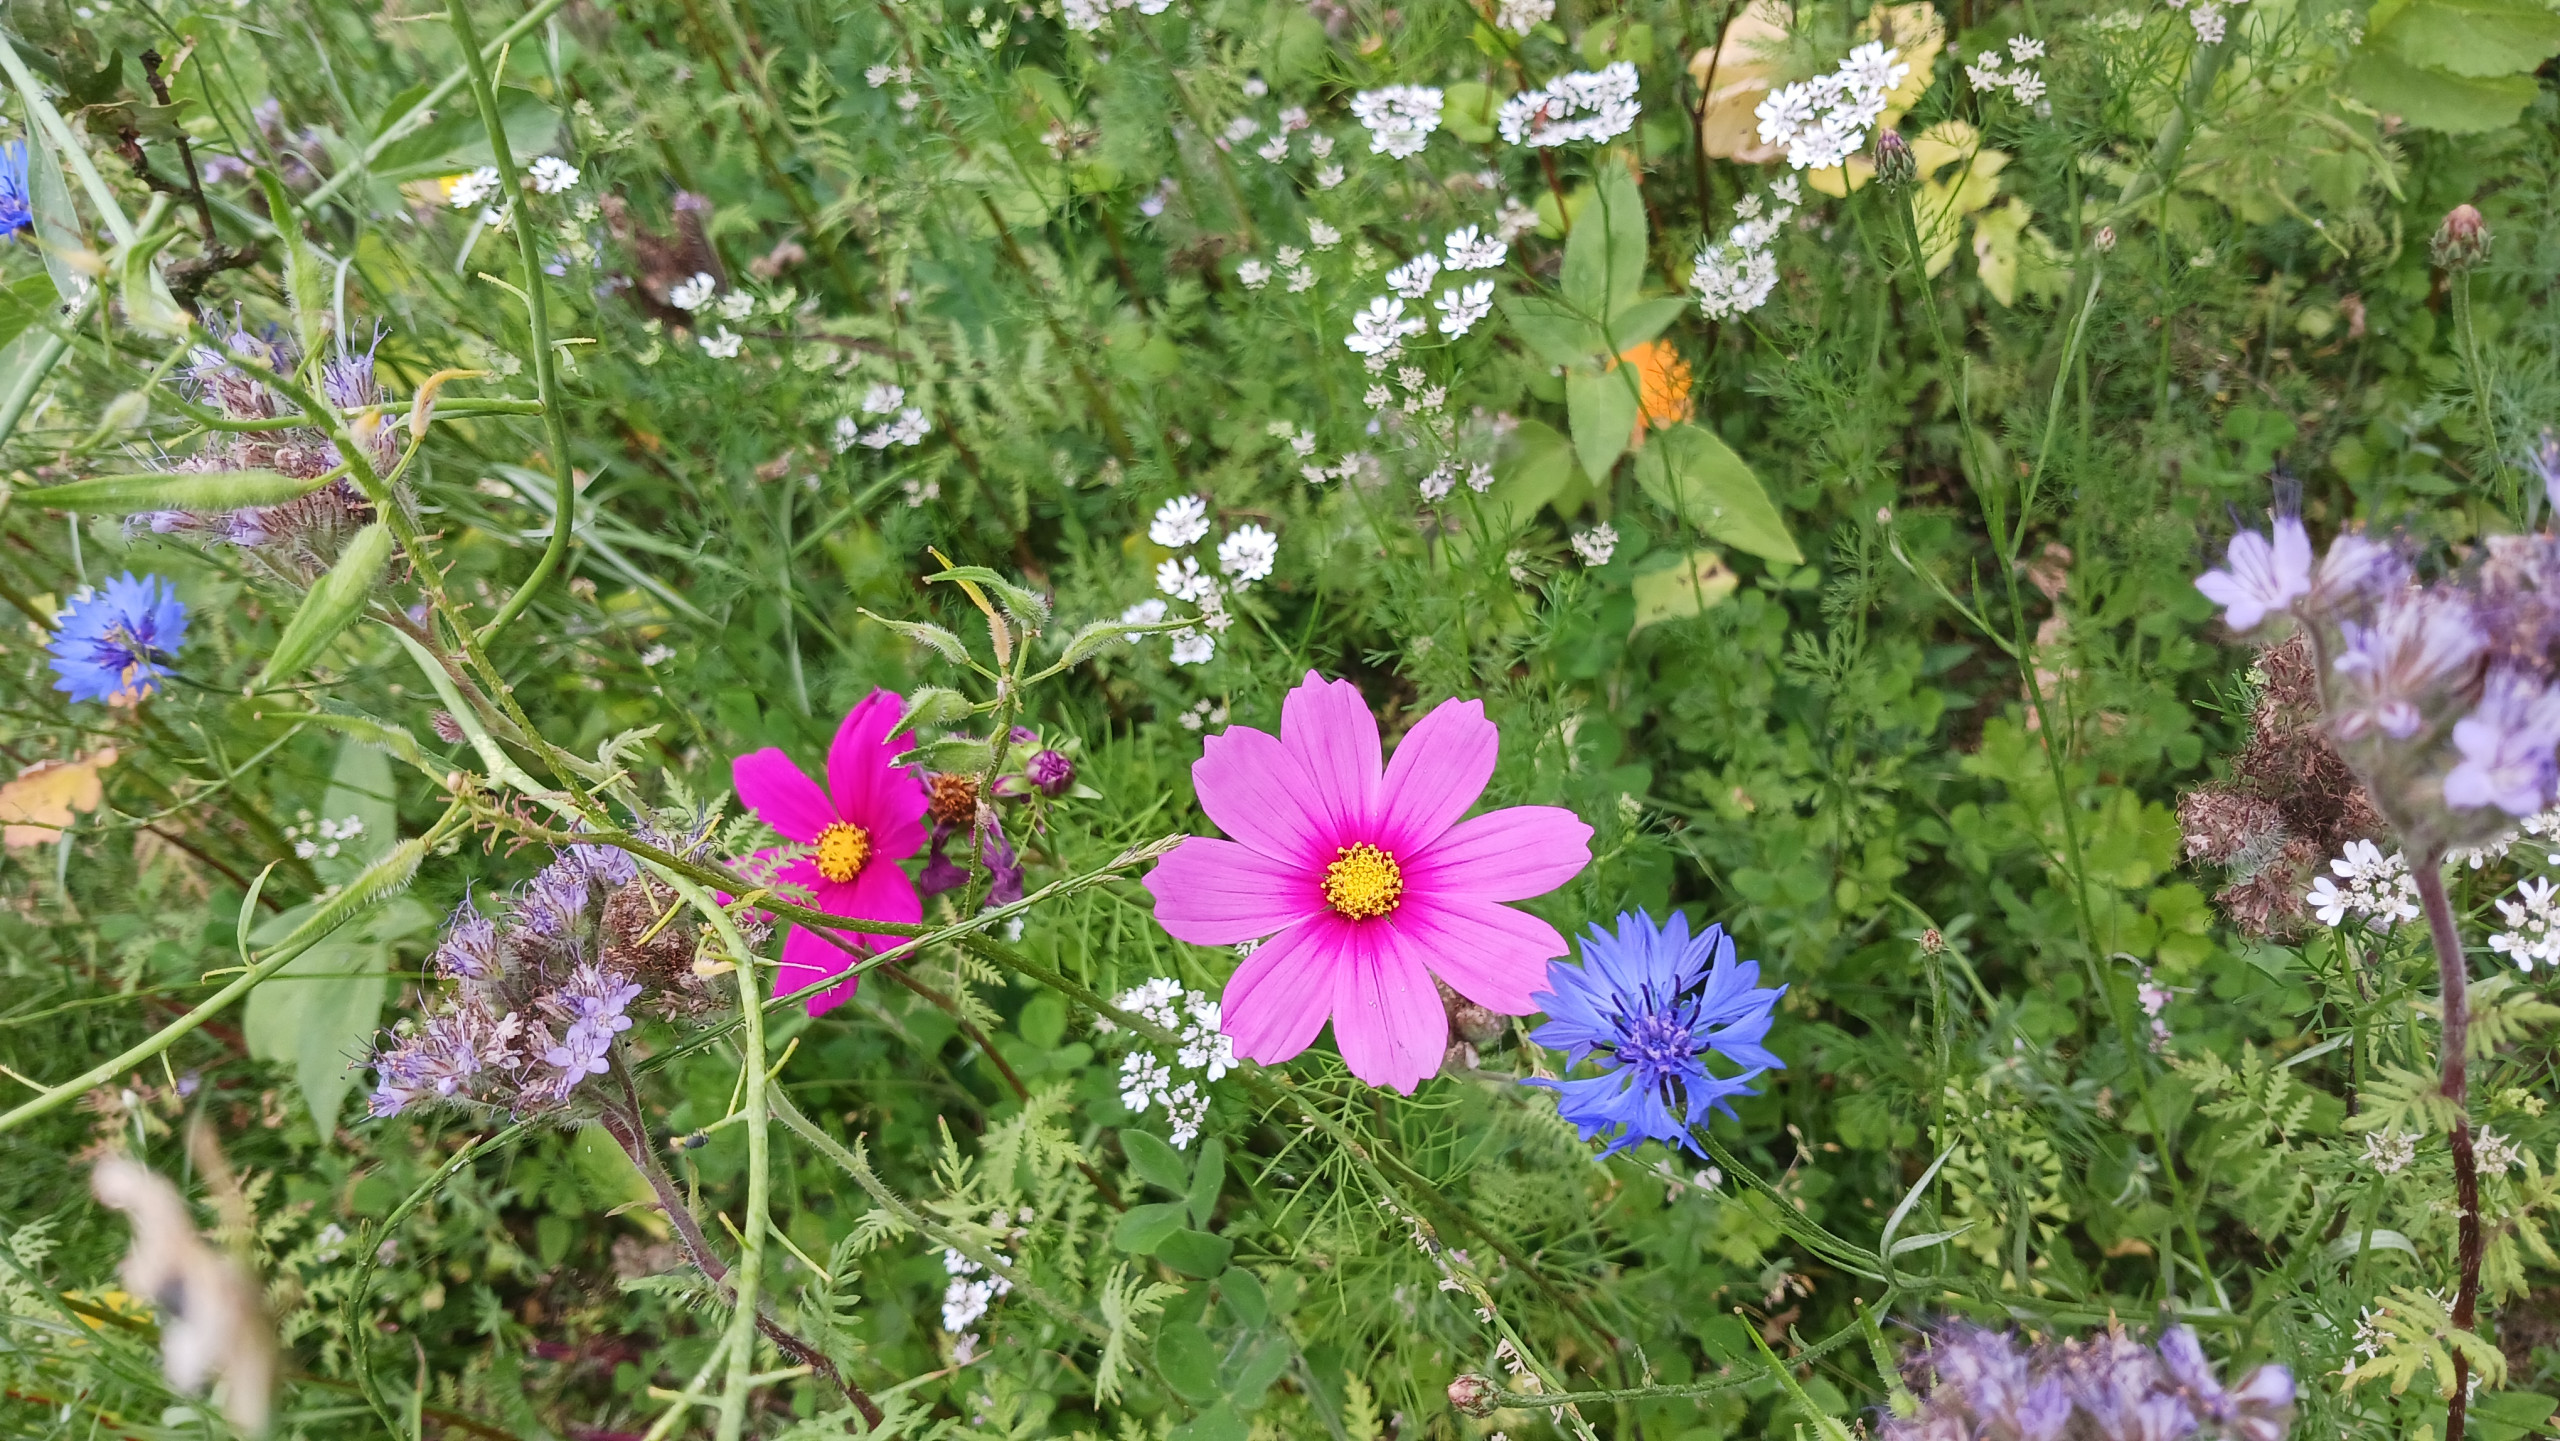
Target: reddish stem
[{"x": 2454, "y": 981}]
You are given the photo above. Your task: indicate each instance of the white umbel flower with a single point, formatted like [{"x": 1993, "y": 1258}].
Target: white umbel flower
[
  {"x": 551, "y": 175},
  {"x": 1399, "y": 118},
  {"x": 1248, "y": 554},
  {"x": 1180, "y": 522}
]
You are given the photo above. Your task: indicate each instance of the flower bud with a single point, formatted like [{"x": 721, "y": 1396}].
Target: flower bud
[
  {"x": 2106, "y": 238},
  {"x": 2461, "y": 242},
  {"x": 1472, "y": 1394},
  {"x": 1051, "y": 772},
  {"x": 1896, "y": 168}
]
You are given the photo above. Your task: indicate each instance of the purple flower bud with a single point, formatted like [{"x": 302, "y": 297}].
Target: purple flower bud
[
  {"x": 1053, "y": 772},
  {"x": 469, "y": 951}
]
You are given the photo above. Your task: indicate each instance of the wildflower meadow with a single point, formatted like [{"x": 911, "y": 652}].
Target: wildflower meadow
[{"x": 1280, "y": 720}]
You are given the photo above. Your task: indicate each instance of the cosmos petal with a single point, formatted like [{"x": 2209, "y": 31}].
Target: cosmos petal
[
  {"x": 866, "y": 789},
  {"x": 1258, "y": 791},
  {"x": 781, "y": 795},
  {"x": 1438, "y": 770},
  {"x": 1328, "y": 727},
  {"x": 1505, "y": 855},
  {"x": 1279, "y": 997},
  {"x": 1216, "y": 893},
  {"x": 1388, "y": 1019},
  {"x": 1492, "y": 955}
]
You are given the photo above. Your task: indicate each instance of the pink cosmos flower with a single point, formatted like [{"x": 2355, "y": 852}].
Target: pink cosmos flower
[
  {"x": 868, "y": 819},
  {"x": 1367, "y": 885}
]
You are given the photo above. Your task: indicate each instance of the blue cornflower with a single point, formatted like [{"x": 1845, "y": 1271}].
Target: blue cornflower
[
  {"x": 111, "y": 644},
  {"x": 16, "y": 213},
  {"x": 1657, "y": 1001}
]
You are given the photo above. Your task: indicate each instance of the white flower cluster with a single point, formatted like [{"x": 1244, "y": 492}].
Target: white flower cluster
[
  {"x": 2533, "y": 926},
  {"x": 1399, "y": 118},
  {"x": 1443, "y": 478},
  {"x": 1597, "y": 544},
  {"x": 1380, "y": 331},
  {"x": 1823, "y": 121},
  {"x": 2376, "y": 889},
  {"x": 1245, "y": 556},
  {"x": 551, "y": 175},
  {"x": 2496, "y": 1154},
  {"x": 1088, "y": 16},
  {"x": 2388, "y": 1152},
  {"x": 1735, "y": 275},
  {"x": 908, "y": 425},
  {"x": 971, "y": 1290},
  {"x": 1354, "y": 465},
  {"x": 1148, "y": 1080},
  {"x": 1522, "y": 16},
  {"x": 1985, "y": 71},
  {"x": 2211, "y": 21},
  {"x": 322, "y": 839},
  {"x": 1585, "y": 105}
]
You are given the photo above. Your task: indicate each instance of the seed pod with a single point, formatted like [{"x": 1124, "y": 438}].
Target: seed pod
[
  {"x": 172, "y": 490},
  {"x": 332, "y": 605}
]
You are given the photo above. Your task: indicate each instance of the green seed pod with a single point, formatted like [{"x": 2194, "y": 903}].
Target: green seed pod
[
  {"x": 332, "y": 606},
  {"x": 176, "y": 490}
]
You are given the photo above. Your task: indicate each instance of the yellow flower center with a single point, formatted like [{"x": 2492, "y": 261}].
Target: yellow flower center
[
  {"x": 842, "y": 848},
  {"x": 1362, "y": 882}
]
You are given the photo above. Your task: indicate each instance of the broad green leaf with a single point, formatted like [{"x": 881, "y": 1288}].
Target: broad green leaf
[
  {"x": 1207, "y": 1179},
  {"x": 1195, "y": 1253},
  {"x": 1604, "y": 257},
  {"x": 171, "y": 490},
  {"x": 1539, "y": 471},
  {"x": 1602, "y": 406},
  {"x": 55, "y": 224},
  {"x": 1560, "y": 334},
  {"x": 333, "y": 604},
  {"x": 24, "y": 303},
  {"x": 1693, "y": 474},
  {"x": 456, "y": 141},
  {"x": 1153, "y": 1161},
  {"x": 1144, "y": 1228},
  {"x": 1218, "y": 1423},
  {"x": 2476, "y": 39},
  {"x": 1189, "y": 1363},
  {"x": 1644, "y": 320},
  {"x": 2435, "y": 99},
  {"x": 1467, "y": 110},
  {"x": 1682, "y": 589},
  {"x": 1244, "y": 1292}
]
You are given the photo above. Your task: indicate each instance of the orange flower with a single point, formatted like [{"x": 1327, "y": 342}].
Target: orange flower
[{"x": 1663, "y": 381}]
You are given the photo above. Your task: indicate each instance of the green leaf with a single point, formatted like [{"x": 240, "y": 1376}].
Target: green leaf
[
  {"x": 318, "y": 1013},
  {"x": 1218, "y": 1423},
  {"x": 1195, "y": 1253},
  {"x": 2476, "y": 39},
  {"x": 1467, "y": 109},
  {"x": 1207, "y": 1179},
  {"x": 148, "y": 306},
  {"x": 1189, "y": 1363},
  {"x": 172, "y": 490},
  {"x": 361, "y": 789},
  {"x": 1144, "y": 1228},
  {"x": 1604, "y": 257},
  {"x": 2435, "y": 99},
  {"x": 24, "y": 303},
  {"x": 1244, "y": 1293},
  {"x": 333, "y": 604},
  {"x": 1153, "y": 1161},
  {"x": 54, "y": 221},
  {"x": 1602, "y": 407},
  {"x": 1645, "y": 319},
  {"x": 1682, "y": 589},
  {"x": 1692, "y": 473},
  {"x": 456, "y": 141},
  {"x": 1560, "y": 334},
  {"x": 306, "y": 283},
  {"x": 1540, "y": 471}
]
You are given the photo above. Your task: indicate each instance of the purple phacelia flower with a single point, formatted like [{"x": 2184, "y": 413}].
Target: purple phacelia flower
[
  {"x": 2419, "y": 645},
  {"x": 2260, "y": 577},
  {"x": 469, "y": 950},
  {"x": 2507, "y": 747},
  {"x": 1977, "y": 1385}
]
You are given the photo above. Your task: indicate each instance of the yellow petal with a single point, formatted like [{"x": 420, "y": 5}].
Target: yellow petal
[
  {"x": 1917, "y": 33},
  {"x": 1741, "y": 68},
  {"x": 36, "y": 807},
  {"x": 1995, "y": 249}
]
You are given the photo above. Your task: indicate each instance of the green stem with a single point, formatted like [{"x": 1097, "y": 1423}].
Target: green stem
[
  {"x": 2467, "y": 337},
  {"x": 538, "y": 319}
]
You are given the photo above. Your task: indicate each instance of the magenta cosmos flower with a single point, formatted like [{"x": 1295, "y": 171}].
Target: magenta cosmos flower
[
  {"x": 1366, "y": 884},
  {"x": 868, "y": 819}
]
